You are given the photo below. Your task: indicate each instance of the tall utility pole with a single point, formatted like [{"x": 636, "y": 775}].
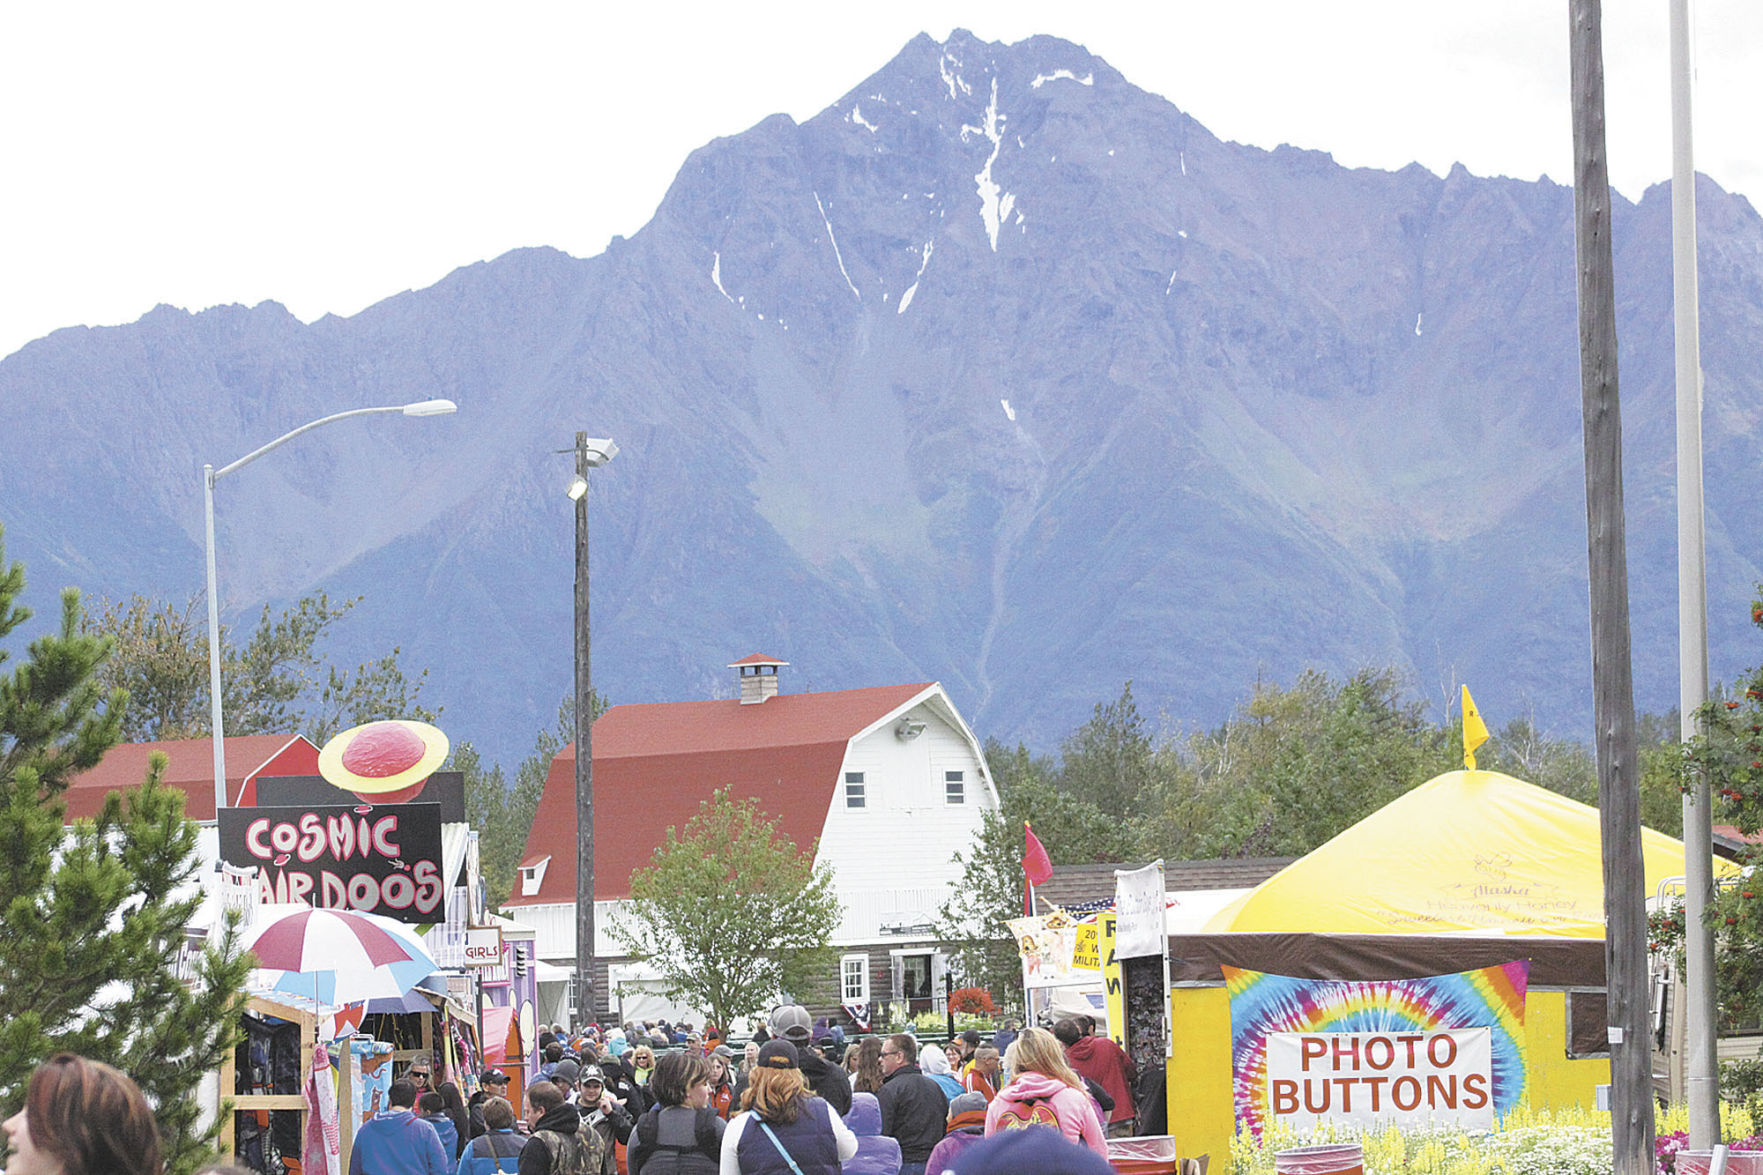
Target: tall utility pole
[
  {"x": 1625, "y": 915},
  {"x": 1703, "y": 1087},
  {"x": 590, "y": 453},
  {"x": 584, "y": 748}
]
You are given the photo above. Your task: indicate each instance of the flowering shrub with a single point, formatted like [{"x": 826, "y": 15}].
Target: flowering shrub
[
  {"x": 1543, "y": 1142},
  {"x": 972, "y": 1001},
  {"x": 1666, "y": 1146},
  {"x": 1729, "y": 751},
  {"x": 1563, "y": 1142}
]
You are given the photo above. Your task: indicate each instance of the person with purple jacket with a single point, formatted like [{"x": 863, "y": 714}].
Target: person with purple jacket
[
  {"x": 967, "y": 1125},
  {"x": 877, "y": 1154}
]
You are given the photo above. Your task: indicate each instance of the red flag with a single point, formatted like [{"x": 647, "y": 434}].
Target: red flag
[{"x": 1037, "y": 867}]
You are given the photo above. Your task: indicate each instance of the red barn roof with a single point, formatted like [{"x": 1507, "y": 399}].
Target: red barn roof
[
  {"x": 654, "y": 764},
  {"x": 190, "y": 768}
]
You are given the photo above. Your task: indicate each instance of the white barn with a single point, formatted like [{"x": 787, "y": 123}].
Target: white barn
[{"x": 889, "y": 783}]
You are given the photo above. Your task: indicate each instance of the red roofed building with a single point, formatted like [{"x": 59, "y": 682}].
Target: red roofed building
[
  {"x": 190, "y": 768},
  {"x": 888, "y": 784}
]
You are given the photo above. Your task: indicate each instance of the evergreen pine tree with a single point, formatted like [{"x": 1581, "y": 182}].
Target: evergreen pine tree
[{"x": 93, "y": 916}]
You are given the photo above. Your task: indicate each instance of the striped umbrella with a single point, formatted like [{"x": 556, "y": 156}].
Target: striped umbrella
[{"x": 341, "y": 956}]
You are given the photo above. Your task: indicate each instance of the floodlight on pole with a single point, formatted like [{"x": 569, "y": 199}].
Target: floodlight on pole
[
  {"x": 590, "y": 453},
  {"x": 210, "y": 475}
]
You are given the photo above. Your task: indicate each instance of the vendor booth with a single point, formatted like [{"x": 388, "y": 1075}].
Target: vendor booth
[{"x": 1441, "y": 959}]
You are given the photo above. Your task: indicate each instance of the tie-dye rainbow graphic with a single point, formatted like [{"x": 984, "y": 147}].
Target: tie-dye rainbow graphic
[{"x": 1262, "y": 1003}]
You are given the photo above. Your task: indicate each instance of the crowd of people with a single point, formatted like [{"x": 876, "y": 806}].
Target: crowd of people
[{"x": 681, "y": 1103}]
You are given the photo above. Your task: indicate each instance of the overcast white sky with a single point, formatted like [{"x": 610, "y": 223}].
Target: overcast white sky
[{"x": 327, "y": 155}]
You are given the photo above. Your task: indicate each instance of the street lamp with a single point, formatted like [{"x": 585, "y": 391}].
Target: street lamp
[
  {"x": 210, "y": 475},
  {"x": 590, "y": 453}
]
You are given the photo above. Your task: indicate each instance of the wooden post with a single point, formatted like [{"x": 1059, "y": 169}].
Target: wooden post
[
  {"x": 345, "y": 1104},
  {"x": 1625, "y": 946},
  {"x": 583, "y": 987}
]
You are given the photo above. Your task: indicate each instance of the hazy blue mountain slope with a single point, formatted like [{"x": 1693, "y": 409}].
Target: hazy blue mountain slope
[{"x": 999, "y": 371}]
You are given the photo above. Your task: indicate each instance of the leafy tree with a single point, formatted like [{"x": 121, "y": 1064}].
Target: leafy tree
[
  {"x": 93, "y": 955},
  {"x": 1729, "y": 750},
  {"x": 1521, "y": 750},
  {"x": 1073, "y": 830},
  {"x": 730, "y": 912},
  {"x": 1310, "y": 761},
  {"x": 276, "y": 682},
  {"x": 1109, "y": 759},
  {"x": 1662, "y": 771}
]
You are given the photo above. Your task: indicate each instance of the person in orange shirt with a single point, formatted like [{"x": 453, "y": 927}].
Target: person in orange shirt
[
  {"x": 982, "y": 1075},
  {"x": 721, "y": 1087}
]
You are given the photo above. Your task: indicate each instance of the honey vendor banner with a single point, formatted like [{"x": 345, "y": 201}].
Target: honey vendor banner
[
  {"x": 1443, "y": 1050},
  {"x": 1057, "y": 950}
]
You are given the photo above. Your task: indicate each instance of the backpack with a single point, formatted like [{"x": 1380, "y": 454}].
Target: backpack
[
  {"x": 704, "y": 1143},
  {"x": 1038, "y": 1112},
  {"x": 572, "y": 1154}
]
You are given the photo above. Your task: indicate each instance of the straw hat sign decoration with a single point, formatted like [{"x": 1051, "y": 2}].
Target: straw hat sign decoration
[{"x": 383, "y": 762}]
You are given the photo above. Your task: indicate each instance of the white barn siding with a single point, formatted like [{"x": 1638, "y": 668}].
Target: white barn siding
[
  {"x": 893, "y": 859},
  {"x": 554, "y": 930}
]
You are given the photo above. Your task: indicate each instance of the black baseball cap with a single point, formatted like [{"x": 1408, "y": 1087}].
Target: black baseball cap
[
  {"x": 779, "y": 1054},
  {"x": 493, "y": 1077}
]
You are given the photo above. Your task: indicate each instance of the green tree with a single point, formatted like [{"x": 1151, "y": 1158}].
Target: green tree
[
  {"x": 1662, "y": 771},
  {"x": 990, "y": 892},
  {"x": 730, "y": 912},
  {"x": 1730, "y": 752},
  {"x": 93, "y": 957},
  {"x": 1310, "y": 761},
  {"x": 1524, "y": 752},
  {"x": 1109, "y": 759},
  {"x": 276, "y": 682}
]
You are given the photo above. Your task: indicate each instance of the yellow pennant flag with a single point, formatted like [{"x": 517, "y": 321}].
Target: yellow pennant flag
[{"x": 1475, "y": 731}]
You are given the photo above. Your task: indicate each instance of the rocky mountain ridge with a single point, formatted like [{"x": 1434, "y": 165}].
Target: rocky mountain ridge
[{"x": 999, "y": 371}]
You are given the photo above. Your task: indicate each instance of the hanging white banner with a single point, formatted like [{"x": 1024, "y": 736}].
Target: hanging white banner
[{"x": 1138, "y": 905}]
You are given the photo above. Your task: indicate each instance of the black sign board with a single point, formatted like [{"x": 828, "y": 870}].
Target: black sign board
[
  {"x": 382, "y": 860},
  {"x": 446, "y": 788}
]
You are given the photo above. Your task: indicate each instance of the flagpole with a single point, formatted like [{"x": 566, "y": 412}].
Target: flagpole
[{"x": 1702, "y": 1088}]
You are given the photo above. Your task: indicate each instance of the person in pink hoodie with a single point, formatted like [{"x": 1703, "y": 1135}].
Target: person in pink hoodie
[{"x": 1043, "y": 1091}]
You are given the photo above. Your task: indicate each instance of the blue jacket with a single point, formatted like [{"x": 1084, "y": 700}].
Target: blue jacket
[
  {"x": 397, "y": 1142},
  {"x": 449, "y": 1133},
  {"x": 490, "y": 1152}
]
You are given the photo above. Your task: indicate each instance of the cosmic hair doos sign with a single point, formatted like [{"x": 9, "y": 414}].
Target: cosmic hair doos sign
[
  {"x": 381, "y": 860},
  {"x": 1443, "y": 1049}
]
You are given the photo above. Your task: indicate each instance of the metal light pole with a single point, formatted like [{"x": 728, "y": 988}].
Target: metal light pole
[
  {"x": 590, "y": 453},
  {"x": 210, "y": 475},
  {"x": 1703, "y": 1086}
]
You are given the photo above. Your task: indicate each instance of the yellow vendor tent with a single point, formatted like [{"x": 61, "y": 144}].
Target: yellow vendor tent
[
  {"x": 1469, "y": 870},
  {"x": 1472, "y": 852}
]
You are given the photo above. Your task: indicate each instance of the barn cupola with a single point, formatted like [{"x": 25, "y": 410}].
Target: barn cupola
[{"x": 758, "y": 677}]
